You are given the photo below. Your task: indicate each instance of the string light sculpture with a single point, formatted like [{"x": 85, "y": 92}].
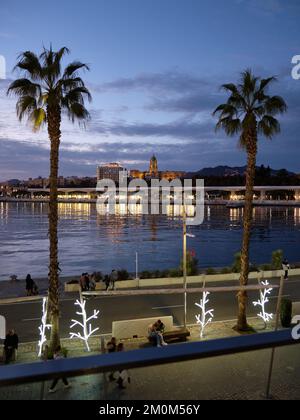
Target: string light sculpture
[
  {"x": 206, "y": 316},
  {"x": 265, "y": 316},
  {"x": 43, "y": 327},
  {"x": 86, "y": 325}
]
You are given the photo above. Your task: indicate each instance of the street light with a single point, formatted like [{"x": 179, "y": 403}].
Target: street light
[
  {"x": 137, "y": 268},
  {"x": 185, "y": 235},
  {"x": 184, "y": 265}
]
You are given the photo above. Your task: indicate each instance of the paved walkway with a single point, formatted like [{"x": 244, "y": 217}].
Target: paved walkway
[
  {"x": 234, "y": 377},
  {"x": 229, "y": 377}
]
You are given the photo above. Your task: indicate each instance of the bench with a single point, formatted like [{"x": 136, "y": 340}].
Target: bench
[
  {"x": 138, "y": 328},
  {"x": 178, "y": 334}
]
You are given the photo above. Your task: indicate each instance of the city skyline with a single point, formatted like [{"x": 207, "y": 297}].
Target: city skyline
[{"x": 154, "y": 84}]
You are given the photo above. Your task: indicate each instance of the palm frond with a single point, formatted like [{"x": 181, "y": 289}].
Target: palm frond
[
  {"x": 275, "y": 105},
  {"x": 25, "y": 87},
  {"x": 225, "y": 110},
  {"x": 268, "y": 126},
  {"x": 38, "y": 118},
  {"x": 77, "y": 111},
  {"x": 231, "y": 87},
  {"x": 264, "y": 83},
  {"x": 71, "y": 83},
  {"x": 72, "y": 69},
  {"x": 25, "y": 106},
  {"x": 78, "y": 94},
  {"x": 29, "y": 63},
  {"x": 248, "y": 83},
  {"x": 231, "y": 126}
]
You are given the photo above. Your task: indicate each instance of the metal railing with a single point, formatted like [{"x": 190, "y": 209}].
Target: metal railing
[{"x": 42, "y": 371}]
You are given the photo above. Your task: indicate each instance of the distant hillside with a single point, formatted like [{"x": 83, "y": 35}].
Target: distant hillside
[
  {"x": 228, "y": 171},
  {"x": 222, "y": 171}
]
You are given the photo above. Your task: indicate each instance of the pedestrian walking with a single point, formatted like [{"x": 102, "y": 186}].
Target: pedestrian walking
[
  {"x": 82, "y": 282},
  {"x": 123, "y": 376},
  {"x": 35, "y": 289},
  {"x": 286, "y": 267},
  {"x": 107, "y": 282},
  {"x": 29, "y": 285},
  {"x": 57, "y": 356},
  {"x": 113, "y": 278},
  {"x": 87, "y": 281},
  {"x": 11, "y": 344},
  {"x": 93, "y": 282},
  {"x": 111, "y": 348}
]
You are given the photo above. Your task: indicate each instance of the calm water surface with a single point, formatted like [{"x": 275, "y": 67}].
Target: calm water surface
[{"x": 89, "y": 242}]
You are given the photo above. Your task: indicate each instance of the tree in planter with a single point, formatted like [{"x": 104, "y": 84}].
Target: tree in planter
[
  {"x": 236, "y": 267},
  {"x": 277, "y": 258},
  {"x": 44, "y": 91},
  {"x": 191, "y": 264},
  {"x": 249, "y": 112}
]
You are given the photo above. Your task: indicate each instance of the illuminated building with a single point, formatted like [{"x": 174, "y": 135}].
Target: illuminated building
[
  {"x": 153, "y": 172},
  {"x": 109, "y": 171}
]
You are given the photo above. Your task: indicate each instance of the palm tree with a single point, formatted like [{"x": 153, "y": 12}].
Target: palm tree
[
  {"x": 249, "y": 112},
  {"x": 45, "y": 91}
]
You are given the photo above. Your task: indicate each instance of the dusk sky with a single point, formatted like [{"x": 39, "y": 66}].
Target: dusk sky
[{"x": 156, "y": 70}]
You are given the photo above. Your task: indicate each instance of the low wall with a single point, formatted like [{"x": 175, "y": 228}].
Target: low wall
[{"x": 148, "y": 283}]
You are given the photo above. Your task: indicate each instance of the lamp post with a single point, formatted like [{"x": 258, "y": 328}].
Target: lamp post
[
  {"x": 137, "y": 268},
  {"x": 184, "y": 236},
  {"x": 184, "y": 266}
]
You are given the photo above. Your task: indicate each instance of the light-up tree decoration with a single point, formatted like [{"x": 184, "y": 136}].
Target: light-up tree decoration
[
  {"x": 43, "y": 327},
  {"x": 85, "y": 324},
  {"x": 206, "y": 316},
  {"x": 265, "y": 316}
]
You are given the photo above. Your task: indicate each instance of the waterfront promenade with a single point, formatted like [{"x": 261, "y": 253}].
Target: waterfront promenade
[
  {"x": 236, "y": 377},
  {"x": 220, "y": 195},
  {"x": 211, "y": 202},
  {"x": 24, "y": 316}
]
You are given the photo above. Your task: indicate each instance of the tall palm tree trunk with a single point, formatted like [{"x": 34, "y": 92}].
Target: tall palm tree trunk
[
  {"x": 54, "y": 120},
  {"x": 242, "y": 324}
]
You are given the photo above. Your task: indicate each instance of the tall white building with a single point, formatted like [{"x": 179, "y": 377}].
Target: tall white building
[{"x": 109, "y": 171}]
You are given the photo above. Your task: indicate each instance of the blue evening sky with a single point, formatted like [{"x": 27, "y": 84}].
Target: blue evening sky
[{"x": 156, "y": 68}]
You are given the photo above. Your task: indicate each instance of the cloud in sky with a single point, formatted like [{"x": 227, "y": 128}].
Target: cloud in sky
[
  {"x": 167, "y": 82},
  {"x": 155, "y": 74},
  {"x": 177, "y": 140},
  {"x": 185, "y": 140}
]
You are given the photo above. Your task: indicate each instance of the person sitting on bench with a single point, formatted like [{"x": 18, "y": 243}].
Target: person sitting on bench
[{"x": 155, "y": 333}]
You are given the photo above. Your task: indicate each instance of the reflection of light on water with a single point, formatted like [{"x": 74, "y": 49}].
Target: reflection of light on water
[
  {"x": 74, "y": 210},
  {"x": 91, "y": 242},
  {"x": 4, "y": 211},
  {"x": 120, "y": 209},
  {"x": 235, "y": 214},
  {"x": 177, "y": 210},
  {"x": 208, "y": 213},
  {"x": 296, "y": 215},
  {"x": 135, "y": 209}
]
